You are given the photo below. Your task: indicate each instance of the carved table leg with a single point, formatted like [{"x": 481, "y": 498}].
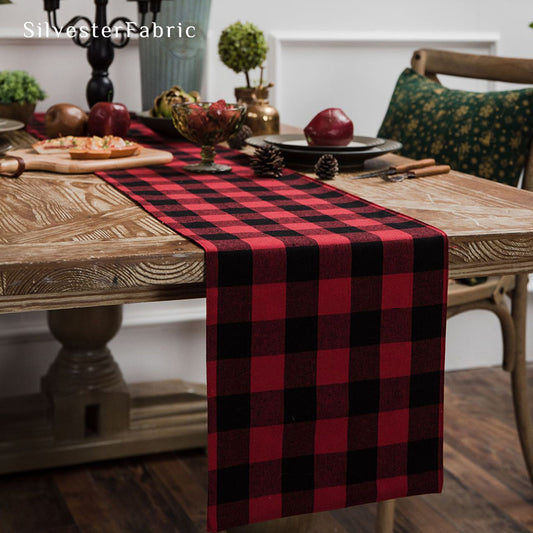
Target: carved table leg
[
  {"x": 86, "y": 390},
  {"x": 519, "y": 373}
]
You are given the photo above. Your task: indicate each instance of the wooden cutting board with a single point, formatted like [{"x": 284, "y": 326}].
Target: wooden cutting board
[{"x": 63, "y": 163}]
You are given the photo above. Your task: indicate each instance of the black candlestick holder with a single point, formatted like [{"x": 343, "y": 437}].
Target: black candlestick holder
[{"x": 100, "y": 39}]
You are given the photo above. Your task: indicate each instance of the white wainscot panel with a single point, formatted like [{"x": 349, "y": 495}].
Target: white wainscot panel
[
  {"x": 355, "y": 71},
  {"x": 62, "y": 70},
  {"x": 157, "y": 341}
]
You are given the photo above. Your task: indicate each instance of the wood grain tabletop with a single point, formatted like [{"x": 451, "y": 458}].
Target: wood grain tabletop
[{"x": 74, "y": 241}]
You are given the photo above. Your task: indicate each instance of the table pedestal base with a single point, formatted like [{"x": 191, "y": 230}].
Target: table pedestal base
[
  {"x": 86, "y": 391},
  {"x": 163, "y": 416},
  {"x": 86, "y": 412}
]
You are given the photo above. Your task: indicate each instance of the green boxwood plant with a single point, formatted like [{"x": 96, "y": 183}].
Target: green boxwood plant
[
  {"x": 17, "y": 86},
  {"x": 242, "y": 47}
]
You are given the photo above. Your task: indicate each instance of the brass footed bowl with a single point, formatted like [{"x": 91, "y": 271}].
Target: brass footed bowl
[{"x": 207, "y": 124}]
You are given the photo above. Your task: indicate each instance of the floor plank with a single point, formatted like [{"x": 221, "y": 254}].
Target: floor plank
[{"x": 486, "y": 488}]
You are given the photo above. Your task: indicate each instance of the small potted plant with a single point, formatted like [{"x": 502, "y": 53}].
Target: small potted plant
[
  {"x": 242, "y": 48},
  {"x": 19, "y": 93}
]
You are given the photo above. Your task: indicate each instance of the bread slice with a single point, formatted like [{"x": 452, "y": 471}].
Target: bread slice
[
  {"x": 57, "y": 146},
  {"x": 77, "y": 153},
  {"x": 88, "y": 147}
]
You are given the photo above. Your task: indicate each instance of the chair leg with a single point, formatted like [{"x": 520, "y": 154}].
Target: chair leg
[
  {"x": 385, "y": 517},
  {"x": 519, "y": 374}
]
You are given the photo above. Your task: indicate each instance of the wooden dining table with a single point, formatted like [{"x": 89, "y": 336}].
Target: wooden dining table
[{"x": 76, "y": 247}]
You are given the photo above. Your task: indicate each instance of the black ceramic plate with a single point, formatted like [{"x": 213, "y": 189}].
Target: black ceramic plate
[
  {"x": 160, "y": 125},
  {"x": 298, "y": 142},
  {"x": 304, "y": 159}
]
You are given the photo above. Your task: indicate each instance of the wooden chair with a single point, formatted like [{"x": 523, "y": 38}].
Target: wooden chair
[{"x": 490, "y": 295}]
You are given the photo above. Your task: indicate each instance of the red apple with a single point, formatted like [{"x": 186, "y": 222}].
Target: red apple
[
  {"x": 331, "y": 127},
  {"x": 65, "y": 119},
  {"x": 109, "y": 118}
]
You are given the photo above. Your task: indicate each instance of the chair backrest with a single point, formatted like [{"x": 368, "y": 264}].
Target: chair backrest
[{"x": 429, "y": 63}]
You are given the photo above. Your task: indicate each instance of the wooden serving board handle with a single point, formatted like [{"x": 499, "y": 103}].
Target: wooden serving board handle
[{"x": 12, "y": 166}]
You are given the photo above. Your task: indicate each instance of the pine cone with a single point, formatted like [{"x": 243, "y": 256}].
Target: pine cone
[
  {"x": 327, "y": 167},
  {"x": 237, "y": 141},
  {"x": 268, "y": 161}
]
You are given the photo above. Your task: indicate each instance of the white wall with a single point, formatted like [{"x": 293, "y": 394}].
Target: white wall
[{"x": 348, "y": 55}]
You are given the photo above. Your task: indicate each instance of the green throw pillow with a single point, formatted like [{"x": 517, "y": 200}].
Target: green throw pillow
[{"x": 485, "y": 134}]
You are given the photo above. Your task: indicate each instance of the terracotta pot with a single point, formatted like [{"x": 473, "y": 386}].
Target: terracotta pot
[
  {"x": 262, "y": 118},
  {"x": 22, "y": 112}
]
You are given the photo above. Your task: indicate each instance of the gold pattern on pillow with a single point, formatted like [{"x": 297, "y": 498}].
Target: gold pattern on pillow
[{"x": 485, "y": 134}]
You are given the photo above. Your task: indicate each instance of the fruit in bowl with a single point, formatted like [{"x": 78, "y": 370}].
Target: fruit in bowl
[
  {"x": 330, "y": 127},
  {"x": 206, "y": 124}
]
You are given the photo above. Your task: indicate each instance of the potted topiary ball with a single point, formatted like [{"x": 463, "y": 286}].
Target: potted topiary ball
[
  {"x": 242, "y": 48},
  {"x": 19, "y": 93}
]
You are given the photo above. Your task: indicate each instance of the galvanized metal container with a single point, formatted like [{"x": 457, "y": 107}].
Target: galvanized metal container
[{"x": 170, "y": 59}]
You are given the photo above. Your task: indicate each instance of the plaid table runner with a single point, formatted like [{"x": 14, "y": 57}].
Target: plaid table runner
[{"x": 325, "y": 337}]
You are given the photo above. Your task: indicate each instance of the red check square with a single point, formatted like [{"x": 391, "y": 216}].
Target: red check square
[
  {"x": 268, "y": 301},
  {"x": 397, "y": 291},
  {"x": 267, "y": 373},
  {"x": 266, "y": 508},
  {"x": 332, "y": 366},
  {"x": 395, "y": 359},
  {"x": 329, "y": 498},
  {"x": 391, "y": 488},
  {"x": 331, "y": 435},
  {"x": 335, "y": 296},
  {"x": 266, "y": 443},
  {"x": 393, "y": 427}
]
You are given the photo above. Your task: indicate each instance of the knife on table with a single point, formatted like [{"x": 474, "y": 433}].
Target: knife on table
[
  {"x": 398, "y": 169},
  {"x": 418, "y": 173}
]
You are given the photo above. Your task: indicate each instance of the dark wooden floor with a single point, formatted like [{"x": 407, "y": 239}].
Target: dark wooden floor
[{"x": 486, "y": 488}]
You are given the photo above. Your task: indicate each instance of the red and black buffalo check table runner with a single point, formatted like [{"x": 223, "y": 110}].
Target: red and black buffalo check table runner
[{"x": 325, "y": 337}]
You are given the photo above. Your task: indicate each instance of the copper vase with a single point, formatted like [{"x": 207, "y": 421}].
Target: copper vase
[{"x": 263, "y": 118}]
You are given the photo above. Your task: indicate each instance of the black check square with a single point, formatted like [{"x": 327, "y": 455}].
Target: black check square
[
  {"x": 300, "y": 405},
  {"x": 301, "y": 334},
  {"x": 427, "y": 322},
  {"x": 367, "y": 258},
  {"x": 297, "y": 473},
  {"x": 365, "y": 328},
  {"x": 302, "y": 263},
  {"x": 423, "y": 456},
  {"x": 233, "y": 412},
  {"x": 233, "y": 483},
  {"x": 235, "y": 340},
  {"x": 425, "y": 389},
  {"x": 364, "y": 397},
  {"x": 235, "y": 267},
  {"x": 362, "y": 466}
]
